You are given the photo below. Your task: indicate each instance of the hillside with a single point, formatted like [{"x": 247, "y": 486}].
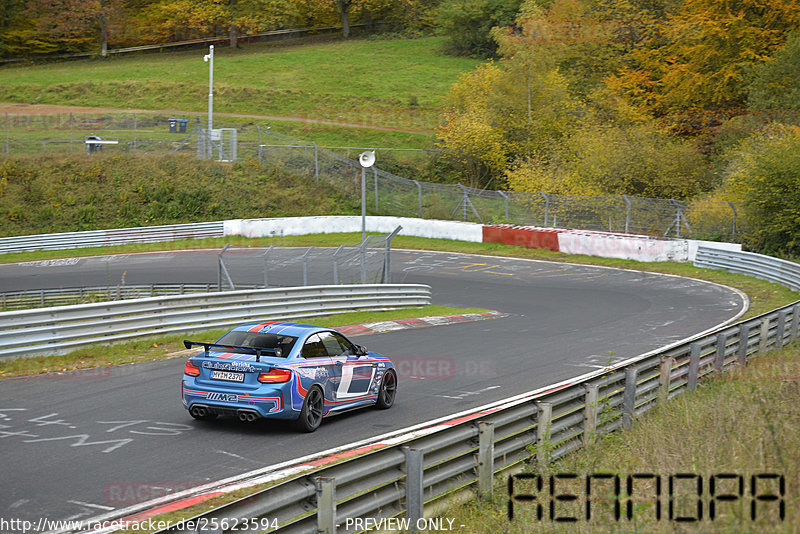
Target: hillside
[{"x": 72, "y": 192}]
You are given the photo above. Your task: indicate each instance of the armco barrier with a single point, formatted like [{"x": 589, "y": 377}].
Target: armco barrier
[
  {"x": 64, "y": 328},
  {"x": 104, "y": 238},
  {"x": 782, "y": 272}
]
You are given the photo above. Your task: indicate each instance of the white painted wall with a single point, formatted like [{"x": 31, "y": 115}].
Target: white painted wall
[
  {"x": 637, "y": 248},
  {"x": 279, "y": 227}
]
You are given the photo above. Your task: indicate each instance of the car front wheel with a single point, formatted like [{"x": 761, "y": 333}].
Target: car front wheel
[{"x": 388, "y": 391}]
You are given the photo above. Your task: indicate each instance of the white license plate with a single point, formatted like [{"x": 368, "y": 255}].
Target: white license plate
[{"x": 227, "y": 376}]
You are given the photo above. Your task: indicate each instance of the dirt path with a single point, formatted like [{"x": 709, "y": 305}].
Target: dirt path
[{"x": 52, "y": 109}]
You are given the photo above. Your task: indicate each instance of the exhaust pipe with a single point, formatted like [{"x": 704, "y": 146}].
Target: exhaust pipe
[
  {"x": 199, "y": 411},
  {"x": 247, "y": 417}
]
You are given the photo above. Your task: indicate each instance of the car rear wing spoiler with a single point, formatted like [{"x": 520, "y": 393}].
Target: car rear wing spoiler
[{"x": 248, "y": 350}]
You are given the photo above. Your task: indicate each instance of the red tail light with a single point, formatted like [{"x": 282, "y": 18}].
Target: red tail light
[
  {"x": 191, "y": 369},
  {"x": 276, "y": 376}
]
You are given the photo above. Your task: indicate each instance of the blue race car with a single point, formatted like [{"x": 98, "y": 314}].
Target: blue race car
[{"x": 285, "y": 371}]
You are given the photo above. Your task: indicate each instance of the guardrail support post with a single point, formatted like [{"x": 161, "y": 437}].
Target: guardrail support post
[
  {"x": 719, "y": 357},
  {"x": 694, "y": 366},
  {"x": 744, "y": 341},
  {"x": 415, "y": 504},
  {"x": 485, "y": 460},
  {"x": 590, "y": 413},
  {"x": 543, "y": 423},
  {"x": 781, "y": 329},
  {"x": 665, "y": 376},
  {"x": 326, "y": 505},
  {"x": 795, "y": 321},
  {"x": 629, "y": 397},
  {"x": 763, "y": 336}
]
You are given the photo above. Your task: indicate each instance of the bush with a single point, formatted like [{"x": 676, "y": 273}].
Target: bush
[{"x": 468, "y": 24}]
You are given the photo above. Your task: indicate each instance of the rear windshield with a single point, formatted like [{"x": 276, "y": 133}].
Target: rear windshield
[{"x": 258, "y": 341}]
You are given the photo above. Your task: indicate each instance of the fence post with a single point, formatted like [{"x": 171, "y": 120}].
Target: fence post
[
  {"x": 694, "y": 366},
  {"x": 795, "y": 321},
  {"x": 546, "y": 207},
  {"x": 763, "y": 335},
  {"x": 627, "y": 213},
  {"x": 505, "y": 199},
  {"x": 590, "y": 413},
  {"x": 419, "y": 197},
  {"x": 316, "y": 163},
  {"x": 305, "y": 266},
  {"x": 326, "y": 505},
  {"x": 719, "y": 357},
  {"x": 336, "y": 265},
  {"x": 387, "y": 265},
  {"x": 375, "y": 177},
  {"x": 744, "y": 341},
  {"x": 485, "y": 459},
  {"x": 543, "y": 423},
  {"x": 629, "y": 397},
  {"x": 780, "y": 330},
  {"x": 664, "y": 379},
  {"x": 415, "y": 505}
]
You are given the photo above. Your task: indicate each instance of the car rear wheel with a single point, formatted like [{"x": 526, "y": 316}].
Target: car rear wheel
[
  {"x": 388, "y": 391},
  {"x": 313, "y": 408}
]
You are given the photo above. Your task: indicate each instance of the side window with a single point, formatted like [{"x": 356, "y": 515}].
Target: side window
[
  {"x": 331, "y": 344},
  {"x": 313, "y": 347},
  {"x": 347, "y": 348}
]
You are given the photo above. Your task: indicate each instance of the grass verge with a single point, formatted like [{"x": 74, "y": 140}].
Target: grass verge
[
  {"x": 745, "y": 422},
  {"x": 171, "y": 346}
]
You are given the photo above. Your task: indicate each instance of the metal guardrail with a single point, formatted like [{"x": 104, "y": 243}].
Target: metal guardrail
[
  {"x": 58, "y": 330},
  {"x": 105, "y": 238},
  {"x": 39, "y": 298},
  {"x": 782, "y": 272},
  {"x": 407, "y": 477}
]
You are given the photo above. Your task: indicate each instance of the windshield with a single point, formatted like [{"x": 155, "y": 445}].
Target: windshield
[{"x": 257, "y": 341}]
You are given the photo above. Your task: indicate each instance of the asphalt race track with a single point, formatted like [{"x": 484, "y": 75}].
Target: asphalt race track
[{"x": 80, "y": 444}]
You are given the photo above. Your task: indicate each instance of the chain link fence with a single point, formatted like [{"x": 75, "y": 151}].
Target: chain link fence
[
  {"x": 387, "y": 193},
  {"x": 365, "y": 263}
]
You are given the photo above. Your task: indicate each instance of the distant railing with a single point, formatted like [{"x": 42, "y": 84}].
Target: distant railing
[{"x": 61, "y": 329}]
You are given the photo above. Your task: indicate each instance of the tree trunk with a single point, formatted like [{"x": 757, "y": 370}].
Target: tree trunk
[
  {"x": 344, "y": 7},
  {"x": 103, "y": 36}
]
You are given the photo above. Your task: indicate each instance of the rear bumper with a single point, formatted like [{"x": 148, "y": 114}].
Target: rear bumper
[{"x": 268, "y": 404}]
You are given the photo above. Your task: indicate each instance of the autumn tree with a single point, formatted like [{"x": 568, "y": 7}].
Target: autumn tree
[{"x": 74, "y": 25}]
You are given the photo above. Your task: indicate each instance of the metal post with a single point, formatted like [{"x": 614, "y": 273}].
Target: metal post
[
  {"x": 266, "y": 265},
  {"x": 316, "y": 163},
  {"x": 375, "y": 176},
  {"x": 336, "y": 265},
  {"x": 363, "y": 261},
  {"x": 590, "y": 410},
  {"x": 363, "y": 204},
  {"x": 543, "y": 423},
  {"x": 546, "y": 207},
  {"x": 795, "y": 321},
  {"x": 744, "y": 341},
  {"x": 780, "y": 331},
  {"x": 719, "y": 357},
  {"x": 415, "y": 506},
  {"x": 326, "y": 505},
  {"x": 304, "y": 257},
  {"x": 485, "y": 460},
  {"x": 629, "y": 397},
  {"x": 505, "y": 198},
  {"x": 763, "y": 336},
  {"x": 210, "y": 59},
  {"x": 419, "y": 197},
  {"x": 694, "y": 366},
  {"x": 627, "y": 213},
  {"x": 134, "y": 133},
  {"x": 387, "y": 267}
]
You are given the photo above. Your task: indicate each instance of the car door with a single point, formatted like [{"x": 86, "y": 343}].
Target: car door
[
  {"x": 319, "y": 366},
  {"x": 354, "y": 374}
]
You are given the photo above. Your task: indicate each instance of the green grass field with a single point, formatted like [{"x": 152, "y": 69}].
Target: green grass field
[{"x": 398, "y": 83}]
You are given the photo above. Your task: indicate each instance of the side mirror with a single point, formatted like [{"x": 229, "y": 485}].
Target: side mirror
[{"x": 362, "y": 350}]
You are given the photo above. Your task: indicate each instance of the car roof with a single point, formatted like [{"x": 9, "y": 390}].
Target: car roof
[{"x": 282, "y": 328}]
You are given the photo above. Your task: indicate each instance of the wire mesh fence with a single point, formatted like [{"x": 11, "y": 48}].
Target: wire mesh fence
[{"x": 387, "y": 193}]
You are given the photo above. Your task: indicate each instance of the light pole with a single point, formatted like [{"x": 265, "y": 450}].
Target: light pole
[
  {"x": 209, "y": 58},
  {"x": 366, "y": 159}
]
